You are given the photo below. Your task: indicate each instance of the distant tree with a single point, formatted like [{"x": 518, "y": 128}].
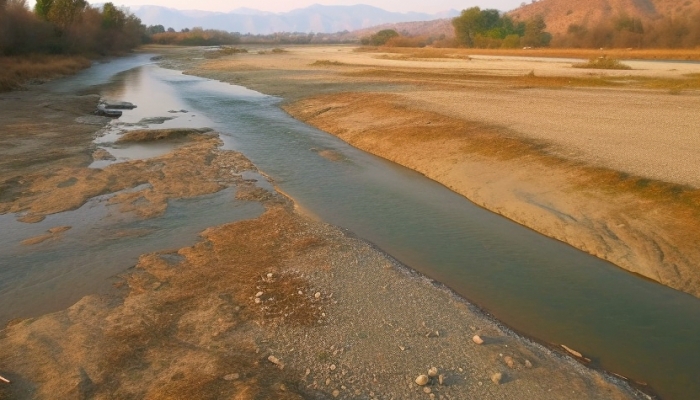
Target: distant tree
[
  {"x": 63, "y": 13},
  {"x": 485, "y": 28},
  {"x": 171, "y": 30},
  {"x": 42, "y": 8},
  {"x": 380, "y": 38},
  {"x": 535, "y": 35}
]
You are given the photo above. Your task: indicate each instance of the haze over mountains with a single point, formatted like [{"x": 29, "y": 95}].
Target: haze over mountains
[{"x": 316, "y": 18}]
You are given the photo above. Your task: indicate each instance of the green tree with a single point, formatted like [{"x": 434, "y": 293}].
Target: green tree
[
  {"x": 468, "y": 25},
  {"x": 63, "y": 13},
  {"x": 380, "y": 38},
  {"x": 535, "y": 35},
  {"x": 42, "y": 8}
]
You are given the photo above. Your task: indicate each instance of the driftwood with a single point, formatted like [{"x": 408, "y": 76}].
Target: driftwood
[{"x": 4, "y": 380}]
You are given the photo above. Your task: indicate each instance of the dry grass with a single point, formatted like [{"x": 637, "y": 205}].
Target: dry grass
[
  {"x": 626, "y": 54},
  {"x": 602, "y": 63},
  {"x": 15, "y": 71},
  {"x": 327, "y": 63}
]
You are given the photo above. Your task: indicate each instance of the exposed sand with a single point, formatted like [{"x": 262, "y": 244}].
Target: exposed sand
[
  {"x": 611, "y": 171},
  {"x": 276, "y": 307}
]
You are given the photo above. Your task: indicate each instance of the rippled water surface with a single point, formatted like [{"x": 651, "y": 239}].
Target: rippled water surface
[{"x": 538, "y": 286}]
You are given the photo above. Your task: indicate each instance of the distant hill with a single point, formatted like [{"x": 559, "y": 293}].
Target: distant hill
[
  {"x": 434, "y": 28},
  {"x": 560, "y": 14},
  {"x": 316, "y": 18}
]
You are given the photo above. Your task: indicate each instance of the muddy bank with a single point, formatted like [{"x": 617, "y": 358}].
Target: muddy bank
[
  {"x": 275, "y": 307},
  {"x": 627, "y": 197}
]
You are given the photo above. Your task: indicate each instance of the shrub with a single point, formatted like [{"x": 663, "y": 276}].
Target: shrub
[{"x": 602, "y": 63}]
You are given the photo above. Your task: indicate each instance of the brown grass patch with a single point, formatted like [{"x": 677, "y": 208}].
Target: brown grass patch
[
  {"x": 326, "y": 63},
  {"x": 602, "y": 63},
  {"x": 15, "y": 71}
]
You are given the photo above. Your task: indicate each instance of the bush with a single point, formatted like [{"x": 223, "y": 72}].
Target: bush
[{"x": 602, "y": 63}]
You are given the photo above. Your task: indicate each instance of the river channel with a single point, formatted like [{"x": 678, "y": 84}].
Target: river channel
[{"x": 539, "y": 287}]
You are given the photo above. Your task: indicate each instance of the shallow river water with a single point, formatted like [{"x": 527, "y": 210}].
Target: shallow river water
[{"x": 538, "y": 286}]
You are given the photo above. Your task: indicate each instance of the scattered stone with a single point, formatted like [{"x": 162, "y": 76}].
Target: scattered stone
[
  {"x": 496, "y": 378},
  {"x": 307, "y": 372},
  {"x": 402, "y": 348},
  {"x": 332, "y": 367},
  {"x": 432, "y": 372},
  {"x": 509, "y": 361},
  {"x": 441, "y": 379},
  {"x": 328, "y": 381},
  {"x": 477, "y": 339},
  {"x": 336, "y": 393},
  {"x": 422, "y": 380},
  {"x": 269, "y": 275},
  {"x": 528, "y": 364},
  {"x": 231, "y": 377},
  {"x": 257, "y": 300},
  {"x": 426, "y": 390},
  {"x": 259, "y": 294},
  {"x": 317, "y": 295}
]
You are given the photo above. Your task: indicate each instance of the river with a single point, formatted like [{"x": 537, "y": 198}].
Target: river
[{"x": 538, "y": 286}]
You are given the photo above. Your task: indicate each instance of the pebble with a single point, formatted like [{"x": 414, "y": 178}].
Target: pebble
[
  {"x": 275, "y": 361},
  {"x": 422, "y": 380},
  {"x": 259, "y": 294},
  {"x": 426, "y": 390},
  {"x": 317, "y": 295},
  {"x": 441, "y": 379},
  {"x": 433, "y": 372},
  {"x": 257, "y": 300},
  {"x": 528, "y": 364},
  {"x": 509, "y": 361},
  {"x": 332, "y": 367},
  {"x": 231, "y": 377},
  {"x": 477, "y": 339},
  {"x": 496, "y": 378},
  {"x": 269, "y": 275},
  {"x": 336, "y": 393}
]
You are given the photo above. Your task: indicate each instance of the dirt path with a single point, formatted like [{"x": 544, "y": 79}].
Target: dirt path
[{"x": 593, "y": 158}]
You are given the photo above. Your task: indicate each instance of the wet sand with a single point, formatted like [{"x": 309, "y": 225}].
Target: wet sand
[
  {"x": 611, "y": 170},
  {"x": 276, "y": 307}
]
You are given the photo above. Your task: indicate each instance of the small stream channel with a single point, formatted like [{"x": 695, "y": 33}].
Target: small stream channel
[{"x": 538, "y": 286}]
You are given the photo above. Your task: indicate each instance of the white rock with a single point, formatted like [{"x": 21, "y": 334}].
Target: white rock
[
  {"x": 269, "y": 275},
  {"x": 422, "y": 380},
  {"x": 257, "y": 300},
  {"x": 477, "y": 339},
  {"x": 528, "y": 364},
  {"x": 317, "y": 295},
  {"x": 432, "y": 372},
  {"x": 509, "y": 361},
  {"x": 259, "y": 294}
]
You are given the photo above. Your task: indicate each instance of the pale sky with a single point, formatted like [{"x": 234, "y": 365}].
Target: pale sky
[{"x": 429, "y": 6}]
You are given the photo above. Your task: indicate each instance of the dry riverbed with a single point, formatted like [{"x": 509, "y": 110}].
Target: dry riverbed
[
  {"x": 606, "y": 161},
  {"x": 280, "y": 306}
]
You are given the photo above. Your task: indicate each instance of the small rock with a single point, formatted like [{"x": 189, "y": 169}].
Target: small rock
[
  {"x": 269, "y": 275},
  {"x": 336, "y": 393},
  {"x": 231, "y": 377},
  {"x": 496, "y": 378},
  {"x": 328, "y": 381},
  {"x": 402, "y": 348},
  {"x": 426, "y": 390},
  {"x": 572, "y": 351},
  {"x": 432, "y": 372},
  {"x": 422, "y": 380},
  {"x": 308, "y": 371},
  {"x": 259, "y": 294},
  {"x": 477, "y": 339},
  {"x": 332, "y": 367},
  {"x": 441, "y": 379},
  {"x": 257, "y": 300},
  {"x": 528, "y": 364},
  {"x": 509, "y": 361},
  {"x": 317, "y": 295},
  {"x": 275, "y": 361},
  {"x": 300, "y": 292}
]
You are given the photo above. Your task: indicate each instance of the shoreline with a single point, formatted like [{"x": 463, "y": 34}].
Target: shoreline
[
  {"x": 587, "y": 197},
  {"x": 186, "y": 321}
]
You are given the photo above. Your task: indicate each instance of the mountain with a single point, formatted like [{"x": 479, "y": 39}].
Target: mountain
[
  {"x": 560, "y": 14},
  {"x": 433, "y": 28},
  {"x": 316, "y": 18}
]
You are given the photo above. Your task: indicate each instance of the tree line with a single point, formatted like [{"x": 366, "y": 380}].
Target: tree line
[{"x": 67, "y": 27}]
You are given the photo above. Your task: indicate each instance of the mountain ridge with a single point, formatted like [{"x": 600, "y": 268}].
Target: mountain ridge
[{"x": 315, "y": 18}]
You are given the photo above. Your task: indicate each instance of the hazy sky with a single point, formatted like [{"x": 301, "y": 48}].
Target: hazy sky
[{"x": 429, "y": 6}]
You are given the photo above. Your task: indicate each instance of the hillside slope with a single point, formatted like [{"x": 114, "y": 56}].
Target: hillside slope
[{"x": 560, "y": 14}]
